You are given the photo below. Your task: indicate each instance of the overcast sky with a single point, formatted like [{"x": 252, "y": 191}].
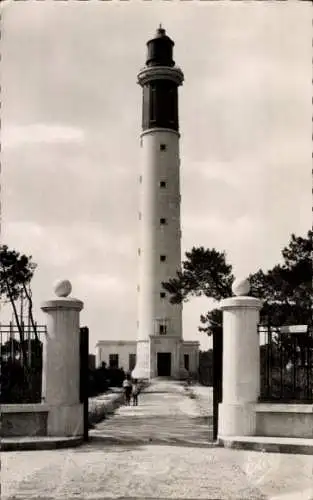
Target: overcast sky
[{"x": 71, "y": 112}]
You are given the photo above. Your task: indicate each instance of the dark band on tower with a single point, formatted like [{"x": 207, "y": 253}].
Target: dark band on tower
[{"x": 160, "y": 91}]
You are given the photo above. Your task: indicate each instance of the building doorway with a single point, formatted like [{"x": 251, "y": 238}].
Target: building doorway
[
  {"x": 164, "y": 360},
  {"x": 186, "y": 362}
]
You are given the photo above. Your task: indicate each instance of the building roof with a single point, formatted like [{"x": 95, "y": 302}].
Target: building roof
[{"x": 118, "y": 342}]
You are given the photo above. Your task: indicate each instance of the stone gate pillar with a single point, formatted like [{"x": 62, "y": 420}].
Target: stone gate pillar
[
  {"x": 241, "y": 363},
  {"x": 61, "y": 363}
]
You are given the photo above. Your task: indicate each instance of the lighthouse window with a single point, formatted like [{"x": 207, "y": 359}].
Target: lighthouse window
[
  {"x": 139, "y": 215},
  {"x": 162, "y": 258},
  {"x": 162, "y": 147},
  {"x": 162, "y": 295},
  {"x": 162, "y": 184},
  {"x": 138, "y": 288},
  {"x": 162, "y": 329},
  {"x": 139, "y": 251},
  {"x": 140, "y": 179},
  {"x": 153, "y": 104},
  {"x": 162, "y": 221}
]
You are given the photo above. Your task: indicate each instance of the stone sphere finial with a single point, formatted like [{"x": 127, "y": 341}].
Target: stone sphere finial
[
  {"x": 62, "y": 288},
  {"x": 241, "y": 287}
]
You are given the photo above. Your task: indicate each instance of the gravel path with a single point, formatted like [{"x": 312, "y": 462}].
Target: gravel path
[{"x": 161, "y": 417}]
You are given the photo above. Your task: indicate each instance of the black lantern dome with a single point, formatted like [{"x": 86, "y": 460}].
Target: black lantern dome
[
  {"x": 160, "y": 50},
  {"x": 160, "y": 79}
]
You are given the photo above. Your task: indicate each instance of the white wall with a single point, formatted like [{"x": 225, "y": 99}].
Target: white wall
[
  {"x": 192, "y": 349},
  {"x": 156, "y": 239},
  {"x": 284, "y": 420},
  {"x": 122, "y": 348}
]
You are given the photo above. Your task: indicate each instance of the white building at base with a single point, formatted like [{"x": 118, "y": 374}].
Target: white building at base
[
  {"x": 116, "y": 354},
  {"x": 122, "y": 354}
]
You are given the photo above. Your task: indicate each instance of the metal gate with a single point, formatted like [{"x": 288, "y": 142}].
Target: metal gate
[
  {"x": 217, "y": 376},
  {"x": 21, "y": 362},
  {"x": 286, "y": 363},
  {"x": 84, "y": 375}
]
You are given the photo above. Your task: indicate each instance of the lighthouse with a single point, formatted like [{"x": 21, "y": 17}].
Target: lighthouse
[
  {"x": 159, "y": 349},
  {"x": 159, "y": 326}
]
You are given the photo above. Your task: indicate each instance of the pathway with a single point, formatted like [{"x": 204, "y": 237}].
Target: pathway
[{"x": 165, "y": 414}]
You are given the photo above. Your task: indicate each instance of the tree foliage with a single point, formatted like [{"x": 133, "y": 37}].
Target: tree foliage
[
  {"x": 286, "y": 290},
  {"x": 211, "y": 321},
  {"x": 204, "y": 272},
  {"x": 16, "y": 273}
]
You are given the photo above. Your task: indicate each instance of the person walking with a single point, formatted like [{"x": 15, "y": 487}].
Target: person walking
[
  {"x": 127, "y": 386},
  {"x": 135, "y": 392}
]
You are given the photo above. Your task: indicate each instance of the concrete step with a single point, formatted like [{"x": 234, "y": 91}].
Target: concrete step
[
  {"x": 266, "y": 444},
  {"x": 29, "y": 443}
]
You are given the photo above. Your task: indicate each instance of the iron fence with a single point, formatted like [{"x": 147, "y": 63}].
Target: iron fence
[
  {"x": 21, "y": 363},
  {"x": 286, "y": 364}
]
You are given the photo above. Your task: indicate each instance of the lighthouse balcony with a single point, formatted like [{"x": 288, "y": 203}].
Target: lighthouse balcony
[
  {"x": 146, "y": 74},
  {"x": 162, "y": 326}
]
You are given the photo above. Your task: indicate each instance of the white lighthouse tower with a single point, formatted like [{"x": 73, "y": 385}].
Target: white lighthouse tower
[{"x": 159, "y": 326}]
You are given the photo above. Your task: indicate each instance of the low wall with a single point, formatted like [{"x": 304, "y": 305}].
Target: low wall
[
  {"x": 19, "y": 420},
  {"x": 103, "y": 405},
  {"x": 284, "y": 420}
]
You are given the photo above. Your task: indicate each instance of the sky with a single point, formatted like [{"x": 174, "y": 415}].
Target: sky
[{"x": 71, "y": 118}]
